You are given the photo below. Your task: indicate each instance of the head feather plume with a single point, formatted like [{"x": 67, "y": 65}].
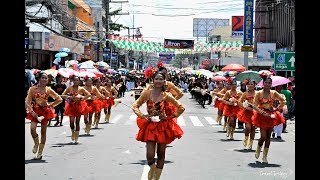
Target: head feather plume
[{"x": 149, "y": 72}]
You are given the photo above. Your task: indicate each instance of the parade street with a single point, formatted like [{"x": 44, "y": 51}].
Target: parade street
[{"x": 111, "y": 152}]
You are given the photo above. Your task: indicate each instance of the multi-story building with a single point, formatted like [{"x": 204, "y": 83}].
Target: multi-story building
[{"x": 58, "y": 24}]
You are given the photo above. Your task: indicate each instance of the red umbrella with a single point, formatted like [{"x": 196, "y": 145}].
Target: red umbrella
[
  {"x": 234, "y": 67},
  {"x": 219, "y": 78}
]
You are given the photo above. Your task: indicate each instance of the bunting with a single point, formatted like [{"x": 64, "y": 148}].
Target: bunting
[{"x": 199, "y": 47}]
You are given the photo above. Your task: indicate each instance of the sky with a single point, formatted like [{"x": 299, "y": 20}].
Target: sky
[{"x": 172, "y": 19}]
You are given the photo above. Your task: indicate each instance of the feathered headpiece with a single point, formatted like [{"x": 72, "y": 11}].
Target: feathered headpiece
[
  {"x": 228, "y": 79},
  {"x": 245, "y": 82},
  {"x": 265, "y": 73},
  {"x": 149, "y": 72},
  {"x": 160, "y": 64}
]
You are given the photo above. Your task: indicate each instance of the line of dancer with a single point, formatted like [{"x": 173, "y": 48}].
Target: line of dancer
[
  {"x": 256, "y": 108},
  {"x": 74, "y": 101}
]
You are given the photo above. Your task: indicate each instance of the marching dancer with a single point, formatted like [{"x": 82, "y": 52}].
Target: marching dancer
[
  {"x": 75, "y": 105},
  {"x": 220, "y": 96},
  {"x": 217, "y": 101},
  {"x": 157, "y": 127},
  {"x": 246, "y": 112},
  {"x": 113, "y": 93},
  {"x": 93, "y": 104},
  {"x": 266, "y": 116},
  {"x": 231, "y": 108},
  {"x": 103, "y": 101},
  {"x": 40, "y": 111}
]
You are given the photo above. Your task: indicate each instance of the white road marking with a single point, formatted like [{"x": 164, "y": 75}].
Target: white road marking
[
  {"x": 131, "y": 119},
  {"x": 195, "y": 121},
  {"x": 211, "y": 121},
  {"x": 116, "y": 119},
  {"x": 144, "y": 175},
  {"x": 181, "y": 121}
]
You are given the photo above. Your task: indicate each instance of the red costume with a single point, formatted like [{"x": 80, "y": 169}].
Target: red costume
[
  {"x": 163, "y": 132},
  {"x": 39, "y": 99},
  {"x": 266, "y": 104}
]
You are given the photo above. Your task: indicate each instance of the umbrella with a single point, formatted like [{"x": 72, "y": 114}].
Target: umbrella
[
  {"x": 66, "y": 72},
  {"x": 253, "y": 75},
  {"x": 276, "y": 81},
  {"x": 64, "y": 50},
  {"x": 84, "y": 74},
  {"x": 96, "y": 72},
  {"x": 52, "y": 72},
  {"x": 266, "y": 72},
  {"x": 206, "y": 72},
  {"x": 102, "y": 64},
  {"x": 219, "y": 78},
  {"x": 71, "y": 63},
  {"x": 219, "y": 73},
  {"x": 61, "y": 54},
  {"x": 85, "y": 65},
  {"x": 234, "y": 67}
]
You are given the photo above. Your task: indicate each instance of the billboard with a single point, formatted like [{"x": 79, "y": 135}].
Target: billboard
[
  {"x": 237, "y": 26},
  {"x": 178, "y": 44},
  {"x": 203, "y": 26},
  {"x": 166, "y": 58},
  {"x": 248, "y": 23},
  {"x": 265, "y": 51}
]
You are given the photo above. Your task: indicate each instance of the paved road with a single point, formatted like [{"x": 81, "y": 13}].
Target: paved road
[{"x": 203, "y": 153}]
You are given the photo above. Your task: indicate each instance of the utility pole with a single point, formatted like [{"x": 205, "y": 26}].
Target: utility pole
[
  {"x": 107, "y": 21},
  {"x": 107, "y": 14}
]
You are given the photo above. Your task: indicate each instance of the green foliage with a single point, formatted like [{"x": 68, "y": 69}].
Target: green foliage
[{"x": 115, "y": 26}]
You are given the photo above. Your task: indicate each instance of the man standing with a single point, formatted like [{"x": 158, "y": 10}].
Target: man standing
[{"x": 287, "y": 93}]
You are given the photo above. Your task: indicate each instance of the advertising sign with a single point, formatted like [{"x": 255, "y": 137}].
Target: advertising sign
[
  {"x": 166, "y": 58},
  {"x": 26, "y": 44},
  {"x": 265, "y": 51},
  {"x": 178, "y": 44},
  {"x": 203, "y": 26},
  {"x": 114, "y": 60},
  {"x": 284, "y": 61},
  {"x": 237, "y": 26},
  {"x": 248, "y": 22}
]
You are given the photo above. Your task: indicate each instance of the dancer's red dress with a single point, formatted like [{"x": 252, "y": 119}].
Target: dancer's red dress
[
  {"x": 216, "y": 100},
  {"x": 75, "y": 108},
  {"x": 220, "y": 95},
  {"x": 245, "y": 115},
  {"x": 93, "y": 105},
  {"x": 113, "y": 93},
  {"x": 231, "y": 110},
  {"x": 103, "y": 102},
  {"x": 163, "y": 132},
  {"x": 266, "y": 104},
  {"x": 37, "y": 100}
]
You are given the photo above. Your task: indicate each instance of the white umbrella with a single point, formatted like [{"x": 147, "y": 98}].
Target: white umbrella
[
  {"x": 71, "y": 63},
  {"x": 66, "y": 72},
  {"x": 102, "y": 64}
]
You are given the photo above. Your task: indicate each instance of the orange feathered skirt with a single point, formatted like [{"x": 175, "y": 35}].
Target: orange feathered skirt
[
  {"x": 245, "y": 115},
  {"x": 264, "y": 122},
  {"x": 47, "y": 112},
  {"x": 163, "y": 132}
]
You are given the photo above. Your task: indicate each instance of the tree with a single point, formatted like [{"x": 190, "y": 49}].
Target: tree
[{"x": 114, "y": 26}]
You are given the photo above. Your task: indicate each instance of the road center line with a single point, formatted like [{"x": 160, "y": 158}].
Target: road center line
[{"x": 144, "y": 175}]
